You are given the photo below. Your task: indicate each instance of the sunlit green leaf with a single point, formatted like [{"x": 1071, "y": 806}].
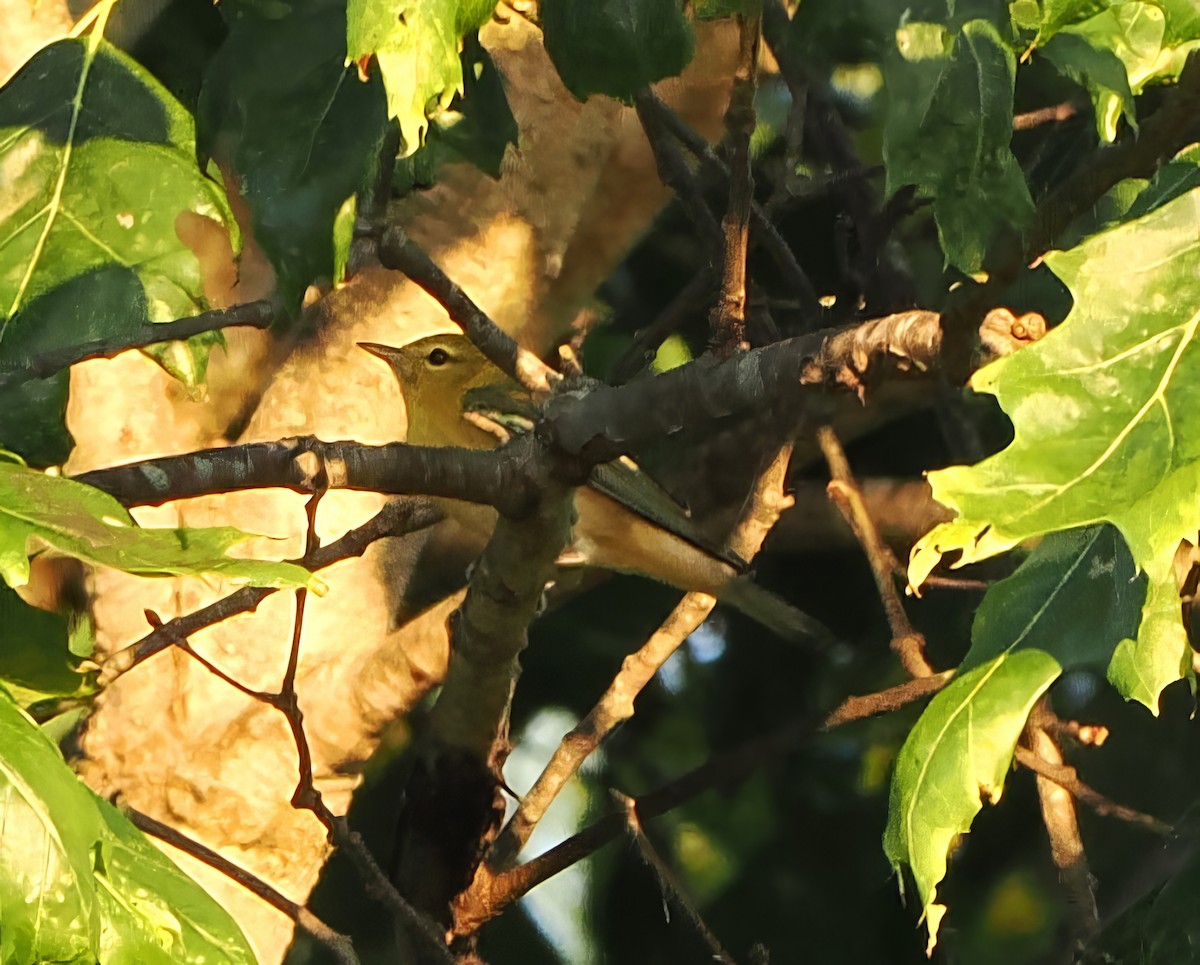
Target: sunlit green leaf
[
  {"x": 97, "y": 170},
  {"x": 1105, "y": 414},
  {"x": 416, "y": 44},
  {"x": 1101, "y": 71},
  {"x": 1066, "y": 607},
  {"x": 78, "y": 883},
  {"x": 39, "y": 511},
  {"x": 616, "y": 47},
  {"x": 1147, "y": 41},
  {"x": 476, "y": 129},
  {"x": 947, "y": 131}
]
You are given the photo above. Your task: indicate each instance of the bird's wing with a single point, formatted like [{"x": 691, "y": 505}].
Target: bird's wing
[
  {"x": 508, "y": 405},
  {"x": 504, "y": 403},
  {"x": 623, "y": 480}
]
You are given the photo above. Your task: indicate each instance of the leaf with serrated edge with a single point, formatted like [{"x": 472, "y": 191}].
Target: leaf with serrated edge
[
  {"x": 79, "y": 883},
  {"x": 416, "y": 43},
  {"x": 1064, "y": 608},
  {"x": 39, "y": 511},
  {"x": 1105, "y": 411}
]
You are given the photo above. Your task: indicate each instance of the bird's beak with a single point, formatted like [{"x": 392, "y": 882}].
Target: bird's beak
[{"x": 385, "y": 352}]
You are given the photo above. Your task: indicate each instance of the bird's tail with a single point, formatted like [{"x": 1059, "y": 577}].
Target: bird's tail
[{"x": 775, "y": 613}]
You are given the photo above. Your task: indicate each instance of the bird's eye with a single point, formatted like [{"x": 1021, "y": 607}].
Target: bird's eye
[{"x": 439, "y": 356}]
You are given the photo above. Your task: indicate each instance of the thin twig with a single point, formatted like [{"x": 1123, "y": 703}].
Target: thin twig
[
  {"x": 728, "y": 317},
  {"x": 1062, "y": 827},
  {"x": 395, "y": 519},
  {"x": 844, "y": 491},
  {"x": 637, "y": 670},
  {"x": 307, "y": 796},
  {"x": 764, "y": 230},
  {"x": 668, "y": 883},
  {"x": 339, "y": 944},
  {"x": 688, "y": 301},
  {"x": 489, "y": 898},
  {"x": 1068, "y": 777},
  {"x": 350, "y": 842},
  {"x": 399, "y": 252},
  {"x": 1044, "y": 115},
  {"x": 886, "y": 701},
  {"x": 258, "y": 314},
  {"x": 676, "y": 175}
]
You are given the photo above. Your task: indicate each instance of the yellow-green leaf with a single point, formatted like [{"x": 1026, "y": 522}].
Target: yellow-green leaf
[
  {"x": 1066, "y": 607},
  {"x": 1106, "y": 413},
  {"x": 39, "y": 512}
]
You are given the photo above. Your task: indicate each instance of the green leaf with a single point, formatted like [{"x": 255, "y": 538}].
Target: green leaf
[
  {"x": 477, "y": 128},
  {"x": 343, "y": 237},
  {"x": 1057, "y": 14},
  {"x": 947, "y": 131},
  {"x": 718, "y": 9},
  {"x": 1101, "y": 72},
  {"x": 99, "y": 168},
  {"x": 1178, "y": 176},
  {"x": 1149, "y": 42},
  {"x": 416, "y": 44},
  {"x": 1104, "y": 410},
  {"x": 33, "y": 420},
  {"x": 39, "y": 511},
  {"x": 297, "y": 127},
  {"x": 616, "y": 47},
  {"x": 40, "y": 652},
  {"x": 154, "y": 912},
  {"x": 78, "y": 883},
  {"x": 1065, "y": 608}
]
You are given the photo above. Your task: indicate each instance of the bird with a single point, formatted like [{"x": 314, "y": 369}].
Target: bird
[{"x": 624, "y": 521}]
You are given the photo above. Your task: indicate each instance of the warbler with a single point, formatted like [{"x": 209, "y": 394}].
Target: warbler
[{"x": 624, "y": 521}]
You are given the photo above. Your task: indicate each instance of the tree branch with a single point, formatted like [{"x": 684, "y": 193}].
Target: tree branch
[
  {"x": 1062, "y": 827},
  {"x": 724, "y": 770},
  {"x": 498, "y": 478},
  {"x": 400, "y": 253},
  {"x": 675, "y": 174},
  {"x": 252, "y": 315},
  {"x": 764, "y": 230},
  {"x": 1068, "y": 777},
  {"x": 452, "y": 804},
  {"x": 844, "y": 492},
  {"x": 595, "y": 426},
  {"x": 668, "y": 882},
  {"x": 728, "y": 317},
  {"x": 395, "y": 519}
]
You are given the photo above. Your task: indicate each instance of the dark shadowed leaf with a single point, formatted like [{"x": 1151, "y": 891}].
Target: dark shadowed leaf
[
  {"x": 948, "y": 129},
  {"x": 39, "y": 660},
  {"x": 616, "y": 47},
  {"x": 295, "y": 125}
]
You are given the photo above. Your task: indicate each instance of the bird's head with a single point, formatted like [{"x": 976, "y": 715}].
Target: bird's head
[{"x": 450, "y": 362}]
